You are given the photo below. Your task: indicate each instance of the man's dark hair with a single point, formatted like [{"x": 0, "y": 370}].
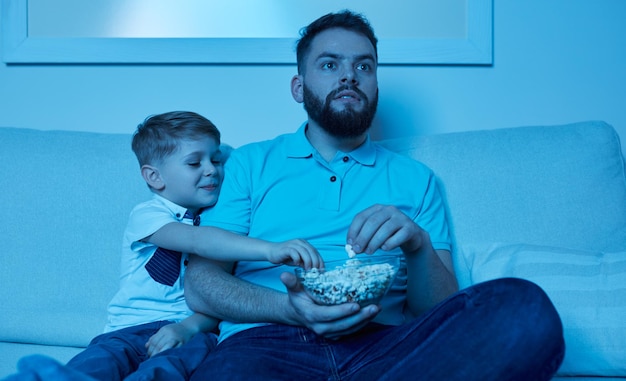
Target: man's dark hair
[{"x": 345, "y": 19}]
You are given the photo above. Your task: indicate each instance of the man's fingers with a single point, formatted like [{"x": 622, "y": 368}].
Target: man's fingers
[
  {"x": 371, "y": 228},
  {"x": 357, "y": 224},
  {"x": 290, "y": 281}
]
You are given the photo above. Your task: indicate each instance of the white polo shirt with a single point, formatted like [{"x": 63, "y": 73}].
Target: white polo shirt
[{"x": 151, "y": 282}]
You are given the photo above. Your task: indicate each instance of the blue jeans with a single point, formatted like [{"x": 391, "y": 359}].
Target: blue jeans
[
  {"x": 122, "y": 355},
  {"x": 505, "y": 329}
]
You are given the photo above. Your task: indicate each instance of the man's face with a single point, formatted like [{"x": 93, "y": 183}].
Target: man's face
[
  {"x": 339, "y": 84},
  {"x": 345, "y": 123}
]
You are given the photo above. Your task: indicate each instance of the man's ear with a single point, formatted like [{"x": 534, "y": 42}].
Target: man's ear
[
  {"x": 297, "y": 88},
  {"x": 152, "y": 177}
]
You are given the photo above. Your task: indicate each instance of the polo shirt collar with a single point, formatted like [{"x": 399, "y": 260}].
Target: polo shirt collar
[
  {"x": 177, "y": 211},
  {"x": 365, "y": 153},
  {"x": 298, "y": 146}
]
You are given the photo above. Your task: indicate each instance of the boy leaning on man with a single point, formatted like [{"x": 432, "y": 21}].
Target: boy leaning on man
[{"x": 151, "y": 332}]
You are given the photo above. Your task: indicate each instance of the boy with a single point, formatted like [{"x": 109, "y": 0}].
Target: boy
[{"x": 151, "y": 333}]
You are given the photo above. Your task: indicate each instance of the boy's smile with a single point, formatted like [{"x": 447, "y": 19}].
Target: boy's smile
[{"x": 192, "y": 175}]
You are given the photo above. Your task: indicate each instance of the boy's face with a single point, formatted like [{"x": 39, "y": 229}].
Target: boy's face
[{"x": 192, "y": 175}]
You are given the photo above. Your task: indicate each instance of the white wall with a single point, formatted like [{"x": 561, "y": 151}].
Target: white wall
[{"x": 555, "y": 61}]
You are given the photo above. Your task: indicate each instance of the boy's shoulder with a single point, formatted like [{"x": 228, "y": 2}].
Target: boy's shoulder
[
  {"x": 156, "y": 206},
  {"x": 151, "y": 215}
]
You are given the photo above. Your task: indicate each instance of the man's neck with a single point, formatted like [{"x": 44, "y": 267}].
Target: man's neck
[{"x": 328, "y": 145}]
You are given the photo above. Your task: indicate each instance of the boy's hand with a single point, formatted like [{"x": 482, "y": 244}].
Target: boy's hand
[
  {"x": 296, "y": 252},
  {"x": 170, "y": 336}
]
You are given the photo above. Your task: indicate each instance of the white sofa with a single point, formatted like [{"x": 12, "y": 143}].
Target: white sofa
[{"x": 547, "y": 203}]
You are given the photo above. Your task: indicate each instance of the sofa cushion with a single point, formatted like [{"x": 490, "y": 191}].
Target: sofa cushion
[
  {"x": 548, "y": 185},
  {"x": 588, "y": 289},
  {"x": 66, "y": 199}
]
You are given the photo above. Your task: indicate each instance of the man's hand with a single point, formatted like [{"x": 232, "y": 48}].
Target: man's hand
[
  {"x": 430, "y": 273},
  {"x": 296, "y": 252},
  {"x": 384, "y": 227},
  {"x": 332, "y": 322},
  {"x": 170, "y": 336}
]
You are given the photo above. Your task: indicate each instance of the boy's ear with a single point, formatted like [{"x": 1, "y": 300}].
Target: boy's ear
[
  {"x": 297, "y": 89},
  {"x": 152, "y": 177}
]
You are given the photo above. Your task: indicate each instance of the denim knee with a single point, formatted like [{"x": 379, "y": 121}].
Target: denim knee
[{"x": 533, "y": 323}]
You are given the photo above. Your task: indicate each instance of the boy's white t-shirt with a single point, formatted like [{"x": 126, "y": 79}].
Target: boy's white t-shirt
[{"x": 151, "y": 282}]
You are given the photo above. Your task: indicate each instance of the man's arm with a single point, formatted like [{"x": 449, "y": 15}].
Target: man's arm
[
  {"x": 211, "y": 289},
  {"x": 429, "y": 280}
]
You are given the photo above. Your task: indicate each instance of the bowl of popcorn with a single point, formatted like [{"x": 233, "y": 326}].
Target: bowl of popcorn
[{"x": 364, "y": 281}]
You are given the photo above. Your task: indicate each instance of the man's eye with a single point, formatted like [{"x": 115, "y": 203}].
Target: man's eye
[
  {"x": 329, "y": 65},
  {"x": 363, "y": 67}
]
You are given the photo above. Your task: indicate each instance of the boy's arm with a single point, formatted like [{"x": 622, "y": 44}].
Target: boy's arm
[
  {"x": 200, "y": 323},
  {"x": 221, "y": 245},
  {"x": 176, "y": 334}
]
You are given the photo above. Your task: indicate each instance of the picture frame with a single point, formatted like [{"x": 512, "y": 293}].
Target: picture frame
[{"x": 472, "y": 48}]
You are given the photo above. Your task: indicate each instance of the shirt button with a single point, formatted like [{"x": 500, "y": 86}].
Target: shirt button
[
  {"x": 345, "y": 159},
  {"x": 333, "y": 179}
]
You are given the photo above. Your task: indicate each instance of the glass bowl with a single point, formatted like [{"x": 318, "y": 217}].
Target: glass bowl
[{"x": 364, "y": 280}]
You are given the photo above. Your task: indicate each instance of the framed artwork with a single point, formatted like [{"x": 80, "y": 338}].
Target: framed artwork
[{"x": 451, "y": 32}]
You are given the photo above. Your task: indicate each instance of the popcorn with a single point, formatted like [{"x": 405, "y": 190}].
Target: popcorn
[
  {"x": 349, "y": 250},
  {"x": 352, "y": 282}
]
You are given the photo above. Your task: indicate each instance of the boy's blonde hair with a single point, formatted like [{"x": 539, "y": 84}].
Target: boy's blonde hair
[{"x": 158, "y": 136}]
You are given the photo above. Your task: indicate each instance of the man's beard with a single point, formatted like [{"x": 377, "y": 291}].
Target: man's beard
[{"x": 347, "y": 123}]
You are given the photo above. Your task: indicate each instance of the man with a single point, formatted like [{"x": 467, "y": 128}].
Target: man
[{"x": 329, "y": 184}]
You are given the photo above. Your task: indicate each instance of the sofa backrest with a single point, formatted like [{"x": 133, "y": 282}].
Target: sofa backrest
[
  {"x": 560, "y": 186},
  {"x": 66, "y": 198}
]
